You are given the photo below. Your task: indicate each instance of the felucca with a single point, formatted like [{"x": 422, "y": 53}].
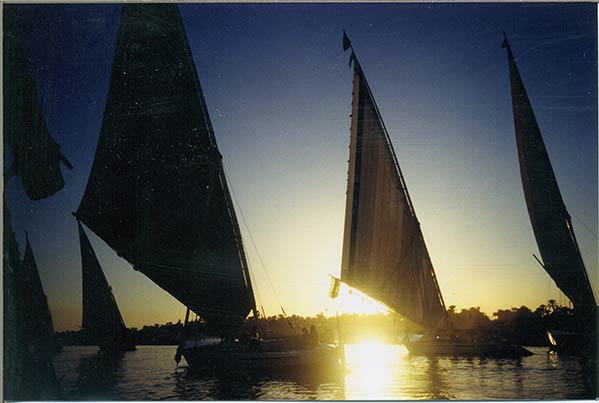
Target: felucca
[
  {"x": 384, "y": 253},
  {"x": 157, "y": 193},
  {"x": 28, "y": 333},
  {"x": 551, "y": 222}
]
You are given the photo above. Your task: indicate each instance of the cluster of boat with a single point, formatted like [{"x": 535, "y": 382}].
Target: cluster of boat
[{"x": 158, "y": 196}]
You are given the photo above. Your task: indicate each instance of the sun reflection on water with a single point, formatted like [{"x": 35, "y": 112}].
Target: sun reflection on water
[
  {"x": 378, "y": 371},
  {"x": 373, "y": 370}
]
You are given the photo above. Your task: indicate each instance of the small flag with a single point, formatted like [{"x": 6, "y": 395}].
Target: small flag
[
  {"x": 334, "y": 290},
  {"x": 346, "y": 42}
]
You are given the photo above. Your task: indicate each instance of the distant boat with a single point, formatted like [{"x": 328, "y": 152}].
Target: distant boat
[
  {"x": 102, "y": 321},
  {"x": 551, "y": 222},
  {"x": 384, "y": 253},
  {"x": 157, "y": 193}
]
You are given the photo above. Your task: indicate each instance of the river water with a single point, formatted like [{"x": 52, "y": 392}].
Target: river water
[{"x": 376, "y": 372}]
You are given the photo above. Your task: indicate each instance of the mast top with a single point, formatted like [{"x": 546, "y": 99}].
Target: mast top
[
  {"x": 346, "y": 41},
  {"x": 347, "y": 45}
]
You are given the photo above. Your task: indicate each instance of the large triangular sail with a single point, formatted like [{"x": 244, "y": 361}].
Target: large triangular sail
[
  {"x": 157, "y": 192},
  {"x": 550, "y": 220},
  {"x": 102, "y": 319},
  {"x": 384, "y": 254},
  {"x": 36, "y": 318}
]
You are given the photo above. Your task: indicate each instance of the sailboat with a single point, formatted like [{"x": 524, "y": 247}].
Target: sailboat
[
  {"x": 384, "y": 253},
  {"x": 102, "y": 321},
  {"x": 30, "y": 337},
  {"x": 157, "y": 193},
  {"x": 550, "y": 220},
  {"x": 28, "y": 334}
]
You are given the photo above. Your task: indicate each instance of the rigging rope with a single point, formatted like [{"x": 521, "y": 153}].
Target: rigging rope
[
  {"x": 256, "y": 292},
  {"x": 582, "y": 222},
  {"x": 254, "y": 245}
]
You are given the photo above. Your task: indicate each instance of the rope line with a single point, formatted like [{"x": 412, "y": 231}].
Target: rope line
[{"x": 254, "y": 245}]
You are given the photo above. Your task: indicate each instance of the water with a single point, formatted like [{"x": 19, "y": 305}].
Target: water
[{"x": 377, "y": 371}]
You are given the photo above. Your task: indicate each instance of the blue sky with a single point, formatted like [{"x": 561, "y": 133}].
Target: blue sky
[{"x": 278, "y": 89}]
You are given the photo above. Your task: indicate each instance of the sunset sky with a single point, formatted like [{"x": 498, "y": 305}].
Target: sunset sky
[{"x": 278, "y": 89}]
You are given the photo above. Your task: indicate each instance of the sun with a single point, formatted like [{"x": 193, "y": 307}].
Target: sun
[{"x": 352, "y": 301}]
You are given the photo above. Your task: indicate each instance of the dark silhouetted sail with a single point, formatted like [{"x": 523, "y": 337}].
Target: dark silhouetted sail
[
  {"x": 157, "y": 192},
  {"x": 13, "y": 364},
  {"x": 37, "y": 155},
  {"x": 550, "y": 220},
  {"x": 102, "y": 320},
  {"x": 31, "y": 371},
  {"x": 384, "y": 254},
  {"x": 35, "y": 313}
]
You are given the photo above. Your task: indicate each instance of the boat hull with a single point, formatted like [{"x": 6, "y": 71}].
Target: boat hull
[
  {"x": 117, "y": 346},
  {"x": 435, "y": 347},
  {"x": 572, "y": 343},
  {"x": 322, "y": 359},
  {"x": 580, "y": 337}
]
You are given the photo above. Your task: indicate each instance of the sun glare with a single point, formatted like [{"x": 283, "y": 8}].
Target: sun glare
[{"x": 353, "y": 301}]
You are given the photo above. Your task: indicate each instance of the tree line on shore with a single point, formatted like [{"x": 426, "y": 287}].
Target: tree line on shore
[{"x": 520, "y": 325}]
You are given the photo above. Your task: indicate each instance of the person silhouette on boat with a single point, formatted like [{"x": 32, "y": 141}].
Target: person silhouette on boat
[
  {"x": 251, "y": 339},
  {"x": 255, "y": 334},
  {"x": 304, "y": 341},
  {"x": 254, "y": 340}
]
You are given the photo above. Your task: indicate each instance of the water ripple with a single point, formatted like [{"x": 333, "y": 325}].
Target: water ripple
[{"x": 377, "y": 372}]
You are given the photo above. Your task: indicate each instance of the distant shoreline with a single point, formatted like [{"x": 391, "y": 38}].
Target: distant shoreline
[{"x": 521, "y": 325}]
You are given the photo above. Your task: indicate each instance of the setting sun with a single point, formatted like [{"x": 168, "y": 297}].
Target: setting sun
[
  {"x": 311, "y": 201},
  {"x": 352, "y": 301}
]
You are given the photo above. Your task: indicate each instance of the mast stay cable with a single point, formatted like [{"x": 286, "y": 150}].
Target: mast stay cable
[{"x": 256, "y": 249}]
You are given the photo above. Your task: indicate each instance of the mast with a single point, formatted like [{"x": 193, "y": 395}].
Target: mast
[
  {"x": 384, "y": 253},
  {"x": 551, "y": 223},
  {"x": 157, "y": 193}
]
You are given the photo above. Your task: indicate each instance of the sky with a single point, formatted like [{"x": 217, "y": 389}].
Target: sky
[{"x": 278, "y": 88}]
